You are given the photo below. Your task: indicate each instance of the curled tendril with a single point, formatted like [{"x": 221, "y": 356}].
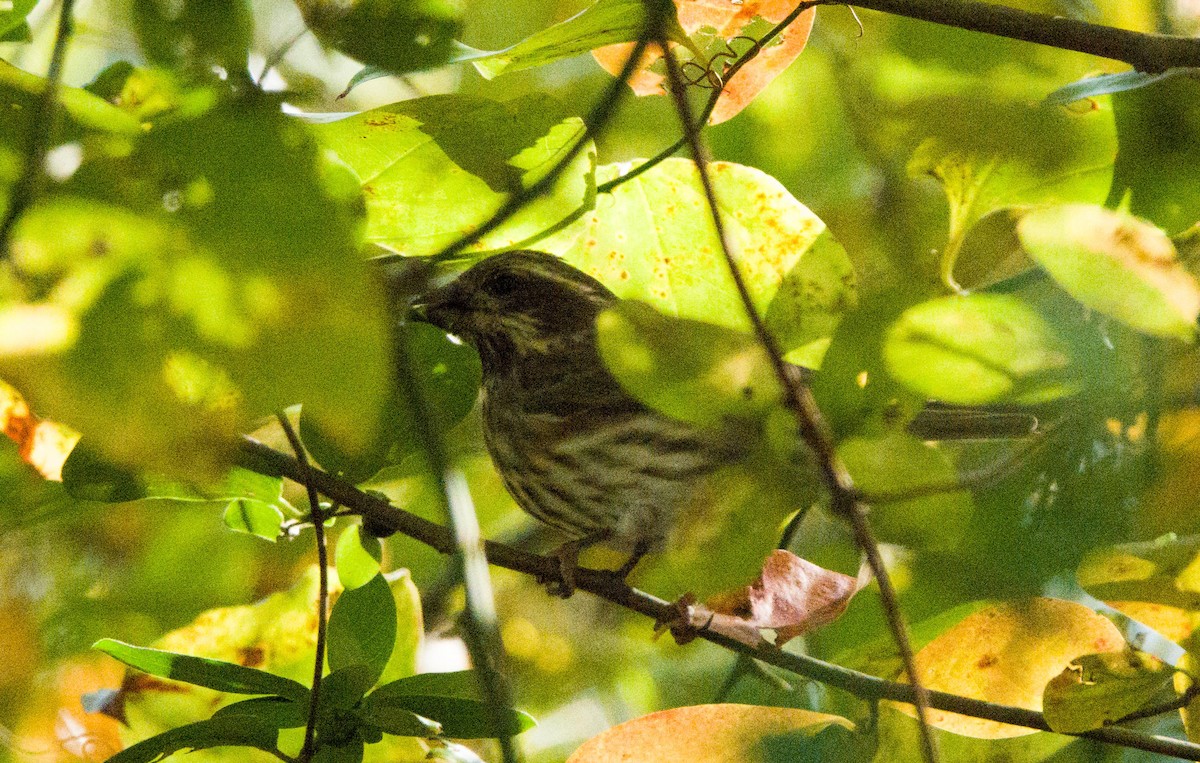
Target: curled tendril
[{"x": 711, "y": 76}]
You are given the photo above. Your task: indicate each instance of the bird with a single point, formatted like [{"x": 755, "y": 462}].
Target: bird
[{"x": 572, "y": 446}]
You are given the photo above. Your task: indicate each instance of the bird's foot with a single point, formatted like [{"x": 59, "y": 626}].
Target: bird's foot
[{"x": 568, "y": 561}]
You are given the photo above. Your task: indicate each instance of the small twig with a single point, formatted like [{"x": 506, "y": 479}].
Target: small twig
[
  {"x": 812, "y": 424},
  {"x": 318, "y": 520},
  {"x": 41, "y": 127},
  {"x": 257, "y": 457}
]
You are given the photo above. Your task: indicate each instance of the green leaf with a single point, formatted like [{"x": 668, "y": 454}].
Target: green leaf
[
  {"x": 263, "y": 520},
  {"x": 433, "y": 169},
  {"x": 394, "y": 35},
  {"x": 352, "y": 752},
  {"x": 1158, "y": 131},
  {"x": 1161, "y": 571},
  {"x": 397, "y": 721},
  {"x": 201, "y": 671},
  {"x": 236, "y": 731},
  {"x": 343, "y": 688},
  {"x": 459, "y": 718},
  {"x": 357, "y": 557},
  {"x": 84, "y": 111},
  {"x": 602, "y": 23},
  {"x": 362, "y": 627},
  {"x": 1104, "y": 84},
  {"x": 977, "y": 349},
  {"x": 89, "y": 477},
  {"x": 1013, "y": 154},
  {"x": 812, "y": 298},
  {"x": 276, "y": 712},
  {"x": 1098, "y": 689},
  {"x": 1115, "y": 264},
  {"x": 898, "y": 463},
  {"x": 693, "y": 371},
  {"x": 452, "y": 699},
  {"x": 653, "y": 239}
]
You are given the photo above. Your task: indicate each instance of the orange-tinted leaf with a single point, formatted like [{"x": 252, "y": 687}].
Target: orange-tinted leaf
[
  {"x": 1007, "y": 654},
  {"x": 792, "y": 595},
  {"x": 44, "y": 445},
  {"x": 730, "y": 20},
  {"x": 702, "y": 734}
]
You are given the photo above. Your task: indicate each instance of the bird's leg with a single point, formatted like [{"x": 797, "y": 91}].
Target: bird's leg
[
  {"x": 639, "y": 550},
  {"x": 568, "y": 560}
]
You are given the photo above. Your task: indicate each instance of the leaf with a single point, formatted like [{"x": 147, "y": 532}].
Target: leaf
[
  {"x": 84, "y": 111},
  {"x": 1007, "y": 654},
  {"x": 792, "y": 596},
  {"x": 1098, "y": 689},
  {"x": 201, "y": 671},
  {"x": 357, "y": 557},
  {"x": 345, "y": 687},
  {"x": 1161, "y": 571},
  {"x": 196, "y": 34},
  {"x": 1117, "y": 265},
  {"x": 992, "y": 154},
  {"x": 453, "y": 700},
  {"x": 703, "y": 734},
  {"x": 275, "y": 712},
  {"x": 1105, "y": 84},
  {"x": 690, "y": 370},
  {"x": 652, "y": 239},
  {"x": 602, "y": 23},
  {"x": 977, "y": 349},
  {"x": 397, "y": 721},
  {"x": 203, "y": 735},
  {"x": 433, "y": 169},
  {"x": 897, "y": 463},
  {"x": 721, "y": 23},
  {"x": 811, "y": 300},
  {"x": 12, "y": 18},
  {"x": 395, "y": 35},
  {"x": 1158, "y": 131},
  {"x": 256, "y": 518},
  {"x": 362, "y": 627}
]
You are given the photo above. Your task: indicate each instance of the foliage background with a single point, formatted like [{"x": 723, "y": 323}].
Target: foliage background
[{"x": 837, "y": 129}]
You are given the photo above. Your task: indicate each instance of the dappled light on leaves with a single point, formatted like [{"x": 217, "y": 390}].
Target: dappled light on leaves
[
  {"x": 705, "y": 734},
  {"x": 719, "y": 32},
  {"x": 44, "y": 445},
  {"x": 1098, "y": 689}
]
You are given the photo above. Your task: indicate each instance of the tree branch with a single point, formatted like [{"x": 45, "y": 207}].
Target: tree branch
[
  {"x": 257, "y": 457},
  {"x": 1144, "y": 51}
]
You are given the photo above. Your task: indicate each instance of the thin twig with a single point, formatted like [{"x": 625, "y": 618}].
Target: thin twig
[
  {"x": 318, "y": 520},
  {"x": 259, "y": 458},
  {"x": 812, "y": 424},
  {"x": 42, "y": 122}
]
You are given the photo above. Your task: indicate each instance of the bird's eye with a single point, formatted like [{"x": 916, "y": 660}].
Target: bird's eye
[{"x": 503, "y": 284}]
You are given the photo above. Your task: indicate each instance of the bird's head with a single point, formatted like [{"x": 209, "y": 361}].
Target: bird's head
[{"x": 518, "y": 303}]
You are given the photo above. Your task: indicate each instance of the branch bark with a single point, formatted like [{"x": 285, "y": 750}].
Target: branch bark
[
  {"x": 380, "y": 514},
  {"x": 1144, "y": 51}
]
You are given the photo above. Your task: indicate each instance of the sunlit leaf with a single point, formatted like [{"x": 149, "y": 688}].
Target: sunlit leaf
[
  {"x": 653, "y": 239},
  {"x": 716, "y": 29},
  {"x": 1162, "y": 571},
  {"x": 44, "y": 445},
  {"x": 357, "y": 557},
  {"x": 433, "y": 169},
  {"x": 978, "y": 348},
  {"x": 1117, "y": 265},
  {"x": 12, "y": 18},
  {"x": 694, "y": 371},
  {"x": 263, "y": 520},
  {"x": 1007, "y": 654},
  {"x": 395, "y": 35},
  {"x": 704, "y": 734},
  {"x": 1098, "y": 689}
]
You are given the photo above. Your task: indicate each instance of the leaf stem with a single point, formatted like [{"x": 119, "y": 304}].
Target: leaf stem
[
  {"x": 41, "y": 128},
  {"x": 318, "y": 520}
]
